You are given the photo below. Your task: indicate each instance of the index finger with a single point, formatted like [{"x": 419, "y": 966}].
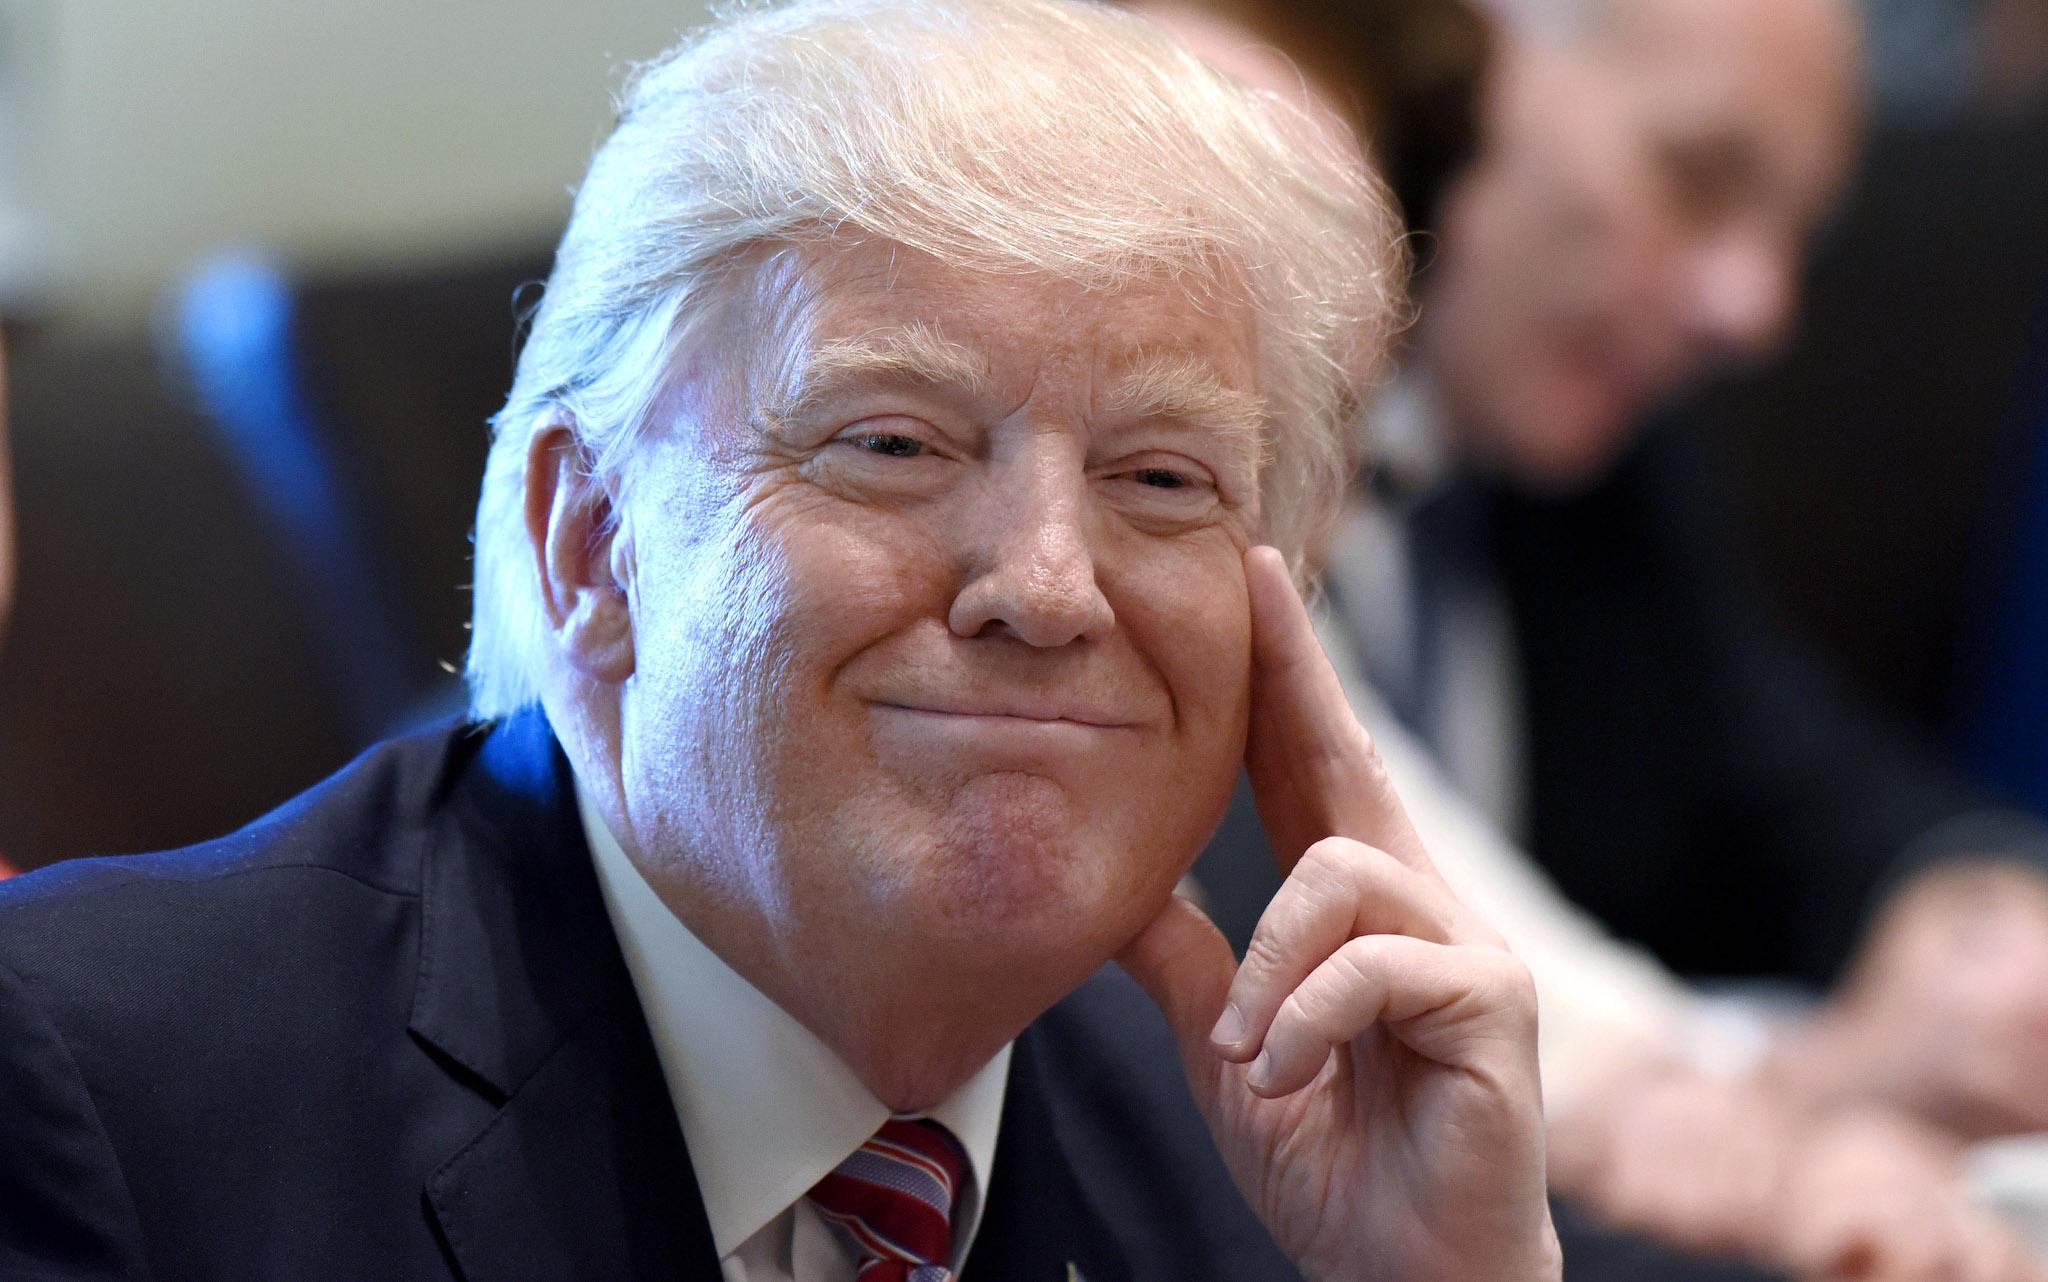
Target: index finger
[{"x": 1315, "y": 772}]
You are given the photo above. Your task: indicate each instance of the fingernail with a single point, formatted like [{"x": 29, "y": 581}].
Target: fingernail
[
  {"x": 1261, "y": 1074},
  {"x": 1229, "y": 1030}
]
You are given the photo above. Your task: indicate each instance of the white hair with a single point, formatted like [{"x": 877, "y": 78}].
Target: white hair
[{"x": 1042, "y": 136}]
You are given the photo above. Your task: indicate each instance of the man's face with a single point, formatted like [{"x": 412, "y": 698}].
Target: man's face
[
  {"x": 1638, "y": 219},
  {"x": 939, "y": 619}
]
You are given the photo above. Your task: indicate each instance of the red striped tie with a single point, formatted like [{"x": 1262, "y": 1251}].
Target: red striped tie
[{"x": 894, "y": 1197}]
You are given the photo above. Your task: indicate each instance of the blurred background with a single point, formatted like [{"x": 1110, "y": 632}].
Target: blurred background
[
  {"x": 258, "y": 260},
  {"x": 261, "y": 262}
]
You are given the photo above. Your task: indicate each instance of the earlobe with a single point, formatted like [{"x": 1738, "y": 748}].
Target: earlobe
[{"x": 580, "y": 553}]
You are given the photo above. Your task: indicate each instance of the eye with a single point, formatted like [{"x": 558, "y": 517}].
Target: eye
[
  {"x": 888, "y": 444},
  {"x": 1708, "y": 177},
  {"x": 886, "y": 455},
  {"x": 1162, "y": 478},
  {"x": 1162, "y": 490}
]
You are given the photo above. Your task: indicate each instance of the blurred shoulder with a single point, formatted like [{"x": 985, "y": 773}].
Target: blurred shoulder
[{"x": 357, "y": 836}]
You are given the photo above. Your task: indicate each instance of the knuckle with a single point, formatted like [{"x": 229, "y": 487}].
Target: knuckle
[
  {"x": 1361, "y": 965},
  {"x": 1302, "y": 1013},
  {"x": 1510, "y": 986},
  {"x": 1515, "y": 978},
  {"x": 1329, "y": 861},
  {"x": 1263, "y": 955},
  {"x": 1346, "y": 867},
  {"x": 1326, "y": 1002}
]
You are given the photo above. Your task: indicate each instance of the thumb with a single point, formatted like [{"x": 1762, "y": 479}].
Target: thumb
[{"x": 1185, "y": 965}]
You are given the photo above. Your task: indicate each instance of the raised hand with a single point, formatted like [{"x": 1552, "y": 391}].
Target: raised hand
[{"x": 1369, "y": 1072}]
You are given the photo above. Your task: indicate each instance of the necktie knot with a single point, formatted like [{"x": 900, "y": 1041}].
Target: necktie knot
[{"x": 894, "y": 1198}]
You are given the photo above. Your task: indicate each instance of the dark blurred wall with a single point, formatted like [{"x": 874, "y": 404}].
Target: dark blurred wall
[
  {"x": 152, "y": 691},
  {"x": 168, "y": 677}
]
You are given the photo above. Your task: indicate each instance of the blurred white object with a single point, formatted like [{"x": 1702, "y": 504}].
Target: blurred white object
[{"x": 2010, "y": 1176}]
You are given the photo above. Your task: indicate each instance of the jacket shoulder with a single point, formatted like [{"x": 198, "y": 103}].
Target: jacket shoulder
[
  {"x": 282, "y": 897},
  {"x": 345, "y": 825}
]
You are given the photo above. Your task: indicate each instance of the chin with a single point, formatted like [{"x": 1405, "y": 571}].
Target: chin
[
  {"x": 1572, "y": 448},
  {"x": 1018, "y": 866}
]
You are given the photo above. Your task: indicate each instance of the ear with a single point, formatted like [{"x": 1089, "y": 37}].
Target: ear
[{"x": 572, "y": 527}]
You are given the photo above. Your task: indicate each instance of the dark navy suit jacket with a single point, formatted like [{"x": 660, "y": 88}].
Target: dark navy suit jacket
[{"x": 385, "y": 1032}]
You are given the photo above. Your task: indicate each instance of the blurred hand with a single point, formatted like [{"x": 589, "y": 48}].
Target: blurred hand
[
  {"x": 1415, "y": 1150},
  {"x": 1876, "y": 1197},
  {"x": 1690, "y": 1160},
  {"x": 1945, "y": 1012},
  {"x": 1733, "y": 1167}
]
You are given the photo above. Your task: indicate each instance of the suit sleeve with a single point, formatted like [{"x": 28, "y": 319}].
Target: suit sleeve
[{"x": 65, "y": 1209}]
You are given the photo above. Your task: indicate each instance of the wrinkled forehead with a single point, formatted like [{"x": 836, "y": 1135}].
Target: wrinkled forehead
[{"x": 808, "y": 308}]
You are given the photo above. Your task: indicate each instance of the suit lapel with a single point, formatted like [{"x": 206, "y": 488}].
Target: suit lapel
[
  {"x": 1039, "y": 1223},
  {"x": 522, "y": 994},
  {"x": 582, "y": 1174}
]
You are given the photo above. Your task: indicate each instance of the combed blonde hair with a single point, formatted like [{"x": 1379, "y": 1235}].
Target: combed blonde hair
[{"x": 1006, "y": 136}]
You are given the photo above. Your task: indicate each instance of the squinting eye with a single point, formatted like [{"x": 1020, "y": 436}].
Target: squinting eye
[
  {"x": 1160, "y": 478},
  {"x": 890, "y": 444}
]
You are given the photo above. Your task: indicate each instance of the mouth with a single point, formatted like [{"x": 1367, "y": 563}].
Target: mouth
[
  {"x": 979, "y": 735},
  {"x": 998, "y": 712}
]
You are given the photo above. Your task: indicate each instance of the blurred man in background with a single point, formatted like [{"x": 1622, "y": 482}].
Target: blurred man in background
[
  {"x": 6, "y": 507},
  {"x": 1650, "y": 177},
  {"x": 1559, "y": 618},
  {"x": 1551, "y": 606}
]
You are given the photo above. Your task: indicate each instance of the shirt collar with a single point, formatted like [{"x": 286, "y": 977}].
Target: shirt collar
[
  {"x": 1405, "y": 446},
  {"x": 767, "y": 1109}
]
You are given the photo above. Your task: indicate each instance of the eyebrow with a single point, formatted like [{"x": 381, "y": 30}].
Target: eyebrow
[
  {"x": 914, "y": 353},
  {"x": 1179, "y": 387}
]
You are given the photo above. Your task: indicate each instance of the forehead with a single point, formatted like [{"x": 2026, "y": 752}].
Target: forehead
[
  {"x": 1783, "y": 73},
  {"x": 1022, "y": 325}
]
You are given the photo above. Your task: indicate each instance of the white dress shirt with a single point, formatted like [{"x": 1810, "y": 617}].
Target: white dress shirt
[{"x": 767, "y": 1109}]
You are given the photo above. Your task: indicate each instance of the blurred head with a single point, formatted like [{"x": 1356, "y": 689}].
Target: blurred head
[
  {"x": 1652, "y": 173},
  {"x": 1402, "y": 75},
  {"x": 868, "y": 508}
]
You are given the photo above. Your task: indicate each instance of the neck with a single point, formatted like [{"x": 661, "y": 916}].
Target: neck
[{"x": 914, "y": 1030}]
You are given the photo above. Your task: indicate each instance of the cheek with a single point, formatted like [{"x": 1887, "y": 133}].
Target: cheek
[
  {"x": 1188, "y": 615},
  {"x": 760, "y": 606}
]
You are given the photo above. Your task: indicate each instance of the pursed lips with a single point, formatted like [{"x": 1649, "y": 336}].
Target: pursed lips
[
  {"x": 1042, "y": 711},
  {"x": 924, "y": 733}
]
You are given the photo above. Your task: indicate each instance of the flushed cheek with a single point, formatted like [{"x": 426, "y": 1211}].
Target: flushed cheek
[
  {"x": 1192, "y": 623},
  {"x": 1191, "y": 619},
  {"x": 835, "y": 587}
]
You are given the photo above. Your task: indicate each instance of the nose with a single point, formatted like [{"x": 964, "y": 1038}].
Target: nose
[
  {"x": 1031, "y": 563},
  {"x": 1743, "y": 293}
]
